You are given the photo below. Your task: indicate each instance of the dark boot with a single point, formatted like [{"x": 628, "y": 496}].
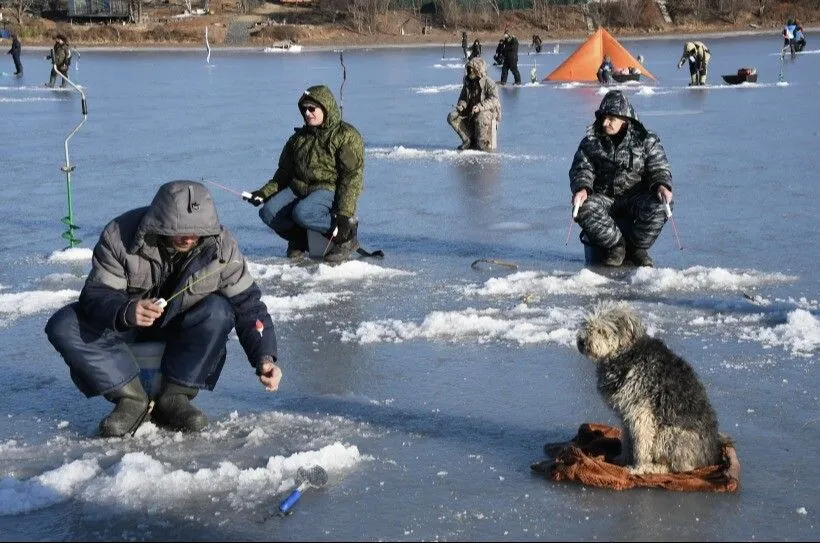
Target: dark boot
[
  {"x": 297, "y": 243},
  {"x": 639, "y": 257},
  {"x": 615, "y": 255},
  {"x": 344, "y": 249},
  {"x": 131, "y": 408},
  {"x": 173, "y": 409},
  {"x": 464, "y": 145},
  {"x": 295, "y": 250}
]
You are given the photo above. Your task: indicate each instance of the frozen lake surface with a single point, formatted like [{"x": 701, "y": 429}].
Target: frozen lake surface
[{"x": 425, "y": 386}]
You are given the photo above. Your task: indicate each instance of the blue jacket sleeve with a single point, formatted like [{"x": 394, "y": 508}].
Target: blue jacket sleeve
[{"x": 248, "y": 308}]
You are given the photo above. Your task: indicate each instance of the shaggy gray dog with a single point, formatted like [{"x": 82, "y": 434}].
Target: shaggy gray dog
[{"x": 668, "y": 422}]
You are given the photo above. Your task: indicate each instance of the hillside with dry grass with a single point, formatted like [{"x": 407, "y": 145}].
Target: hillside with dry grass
[{"x": 315, "y": 24}]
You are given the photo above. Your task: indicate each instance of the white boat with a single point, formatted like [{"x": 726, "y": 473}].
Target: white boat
[{"x": 284, "y": 46}]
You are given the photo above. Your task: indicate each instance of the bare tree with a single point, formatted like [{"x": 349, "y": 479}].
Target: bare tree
[
  {"x": 542, "y": 12},
  {"x": 22, "y": 6},
  {"x": 630, "y": 12}
]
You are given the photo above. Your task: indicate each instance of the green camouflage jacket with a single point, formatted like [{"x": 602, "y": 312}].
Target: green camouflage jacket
[{"x": 330, "y": 156}]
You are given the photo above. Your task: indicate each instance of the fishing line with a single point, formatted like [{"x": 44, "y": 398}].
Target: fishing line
[{"x": 162, "y": 302}]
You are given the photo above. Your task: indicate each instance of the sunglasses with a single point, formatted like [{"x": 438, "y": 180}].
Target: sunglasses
[{"x": 311, "y": 109}]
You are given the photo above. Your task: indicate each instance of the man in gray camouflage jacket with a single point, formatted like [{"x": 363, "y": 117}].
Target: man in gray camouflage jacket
[{"x": 620, "y": 182}]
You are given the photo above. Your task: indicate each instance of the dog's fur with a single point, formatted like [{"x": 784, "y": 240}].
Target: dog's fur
[{"x": 668, "y": 423}]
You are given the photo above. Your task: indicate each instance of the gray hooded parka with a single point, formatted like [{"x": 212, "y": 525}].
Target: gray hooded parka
[{"x": 131, "y": 262}]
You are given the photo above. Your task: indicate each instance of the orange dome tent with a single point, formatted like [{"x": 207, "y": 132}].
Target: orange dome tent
[{"x": 583, "y": 64}]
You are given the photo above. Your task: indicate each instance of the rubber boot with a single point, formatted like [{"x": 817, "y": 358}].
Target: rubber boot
[
  {"x": 131, "y": 408},
  {"x": 344, "y": 249},
  {"x": 615, "y": 255},
  {"x": 173, "y": 409},
  {"x": 639, "y": 257},
  {"x": 297, "y": 243}
]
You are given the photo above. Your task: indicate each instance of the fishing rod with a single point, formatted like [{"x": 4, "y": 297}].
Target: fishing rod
[
  {"x": 68, "y": 220},
  {"x": 668, "y": 210},
  {"x": 575, "y": 209},
  {"x": 245, "y": 195},
  {"x": 342, "y": 86}
]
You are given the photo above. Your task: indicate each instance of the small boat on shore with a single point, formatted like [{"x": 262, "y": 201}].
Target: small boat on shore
[
  {"x": 284, "y": 46},
  {"x": 743, "y": 75}
]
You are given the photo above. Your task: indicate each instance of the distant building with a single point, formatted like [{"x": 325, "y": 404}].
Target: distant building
[{"x": 103, "y": 9}]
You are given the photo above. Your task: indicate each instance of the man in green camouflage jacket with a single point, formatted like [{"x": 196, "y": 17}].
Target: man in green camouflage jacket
[{"x": 318, "y": 181}]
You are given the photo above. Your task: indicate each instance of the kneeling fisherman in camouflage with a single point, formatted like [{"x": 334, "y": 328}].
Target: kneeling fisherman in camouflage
[
  {"x": 318, "y": 181},
  {"x": 478, "y": 106},
  {"x": 620, "y": 181},
  {"x": 177, "y": 250}
]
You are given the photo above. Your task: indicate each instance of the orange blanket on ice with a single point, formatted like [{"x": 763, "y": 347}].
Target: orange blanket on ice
[{"x": 587, "y": 459}]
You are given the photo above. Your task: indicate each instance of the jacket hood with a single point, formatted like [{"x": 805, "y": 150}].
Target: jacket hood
[
  {"x": 180, "y": 207},
  {"x": 478, "y": 65},
  {"x": 616, "y": 103},
  {"x": 324, "y": 97}
]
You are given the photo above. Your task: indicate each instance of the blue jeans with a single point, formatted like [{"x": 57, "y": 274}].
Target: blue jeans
[
  {"x": 100, "y": 361},
  {"x": 287, "y": 213}
]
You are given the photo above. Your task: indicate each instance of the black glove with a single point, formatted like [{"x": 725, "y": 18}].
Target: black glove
[
  {"x": 256, "y": 199},
  {"x": 345, "y": 227}
]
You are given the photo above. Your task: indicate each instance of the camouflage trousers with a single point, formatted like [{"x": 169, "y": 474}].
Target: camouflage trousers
[
  {"x": 477, "y": 129},
  {"x": 638, "y": 219},
  {"x": 697, "y": 73}
]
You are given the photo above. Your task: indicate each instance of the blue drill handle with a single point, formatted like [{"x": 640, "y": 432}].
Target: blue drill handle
[{"x": 290, "y": 501}]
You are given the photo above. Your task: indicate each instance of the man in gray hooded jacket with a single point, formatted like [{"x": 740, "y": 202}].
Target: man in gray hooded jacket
[
  {"x": 620, "y": 181},
  {"x": 168, "y": 272}
]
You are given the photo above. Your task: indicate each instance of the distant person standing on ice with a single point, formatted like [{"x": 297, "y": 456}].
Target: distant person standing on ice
[
  {"x": 464, "y": 44},
  {"x": 510, "y": 58},
  {"x": 698, "y": 56},
  {"x": 15, "y": 54},
  {"x": 177, "y": 250},
  {"x": 620, "y": 180},
  {"x": 60, "y": 57},
  {"x": 478, "y": 106}
]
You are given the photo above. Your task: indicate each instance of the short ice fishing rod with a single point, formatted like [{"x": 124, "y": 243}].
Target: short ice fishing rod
[
  {"x": 575, "y": 209},
  {"x": 68, "y": 220},
  {"x": 668, "y": 209},
  {"x": 244, "y": 194}
]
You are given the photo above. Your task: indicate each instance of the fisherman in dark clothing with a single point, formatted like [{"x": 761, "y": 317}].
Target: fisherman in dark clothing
[
  {"x": 15, "y": 54},
  {"x": 536, "y": 42},
  {"x": 167, "y": 272},
  {"x": 498, "y": 57},
  {"x": 464, "y": 44},
  {"x": 510, "y": 60},
  {"x": 475, "y": 49},
  {"x": 620, "y": 180}
]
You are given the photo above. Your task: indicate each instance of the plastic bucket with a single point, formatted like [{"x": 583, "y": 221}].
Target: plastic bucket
[
  {"x": 148, "y": 355},
  {"x": 592, "y": 254},
  {"x": 318, "y": 244}
]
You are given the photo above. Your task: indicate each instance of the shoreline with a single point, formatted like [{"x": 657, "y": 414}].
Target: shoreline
[{"x": 683, "y": 35}]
